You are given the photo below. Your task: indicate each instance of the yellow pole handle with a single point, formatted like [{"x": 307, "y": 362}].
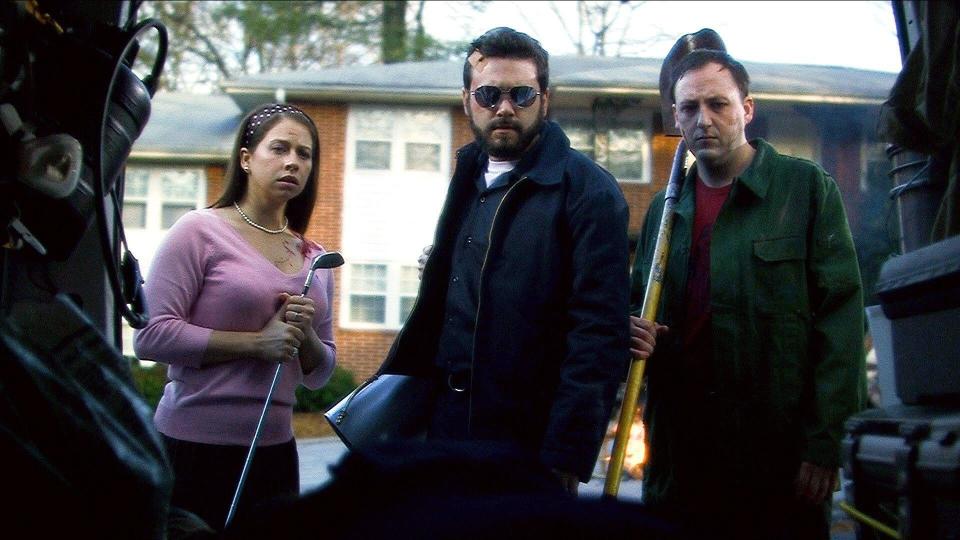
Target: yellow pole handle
[
  {"x": 651, "y": 302},
  {"x": 867, "y": 520}
]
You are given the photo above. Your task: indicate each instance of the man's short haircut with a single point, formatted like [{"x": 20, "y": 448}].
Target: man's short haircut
[
  {"x": 700, "y": 57},
  {"x": 503, "y": 42}
]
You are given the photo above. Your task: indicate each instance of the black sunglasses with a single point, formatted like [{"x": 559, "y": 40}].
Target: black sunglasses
[{"x": 489, "y": 96}]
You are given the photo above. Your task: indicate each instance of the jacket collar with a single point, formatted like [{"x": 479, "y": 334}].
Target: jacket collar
[
  {"x": 756, "y": 177},
  {"x": 544, "y": 163}
]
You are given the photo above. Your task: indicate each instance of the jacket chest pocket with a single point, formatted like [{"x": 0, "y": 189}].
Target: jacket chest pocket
[{"x": 779, "y": 266}]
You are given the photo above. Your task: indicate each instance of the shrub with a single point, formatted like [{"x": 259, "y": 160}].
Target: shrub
[
  {"x": 339, "y": 385},
  {"x": 149, "y": 379}
]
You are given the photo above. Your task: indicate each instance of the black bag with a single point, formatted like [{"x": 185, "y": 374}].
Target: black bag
[
  {"x": 386, "y": 408},
  {"x": 80, "y": 455}
]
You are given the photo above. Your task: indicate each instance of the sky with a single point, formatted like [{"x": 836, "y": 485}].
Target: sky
[{"x": 858, "y": 34}]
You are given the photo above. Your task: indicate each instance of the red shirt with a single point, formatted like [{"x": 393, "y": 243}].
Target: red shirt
[{"x": 696, "y": 333}]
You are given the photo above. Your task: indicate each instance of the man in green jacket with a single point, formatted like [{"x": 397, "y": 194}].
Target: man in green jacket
[{"x": 757, "y": 356}]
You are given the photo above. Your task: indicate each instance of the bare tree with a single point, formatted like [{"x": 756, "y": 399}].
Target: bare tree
[{"x": 604, "y": 28}]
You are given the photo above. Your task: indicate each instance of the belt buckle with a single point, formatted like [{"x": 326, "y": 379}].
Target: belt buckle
[{"x": 453, "y": 385}]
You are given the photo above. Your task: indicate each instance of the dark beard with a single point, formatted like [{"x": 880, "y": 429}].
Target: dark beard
[{"x": 502, "y": 149}]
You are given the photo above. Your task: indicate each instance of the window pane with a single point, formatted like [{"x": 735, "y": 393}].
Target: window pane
[
  {"x": 135, "y": 182},
  {"x": 423, "y": 157},
  {"x": 172, "y": 212},
  {"x": 369, "y": 278},
  {"x": 374, "y": 123},
  {"x": 625, "y": 158},
  {"x": 581, "y": 139},
  {"x": 373, "y": 155},
  {"x": 406, "y": 305},
  {"x": 423, "y": 125},
  {"x": 180, "y": 185},
  {"x": 370, "y": 309},
  {"x": 409, "y": 280},
  {"x": 134, "y": 215}
]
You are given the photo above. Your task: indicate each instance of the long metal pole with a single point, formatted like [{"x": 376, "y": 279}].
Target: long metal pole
[
  {"x": 651, "y": 302},
  {"x": 263, "y": 416}
]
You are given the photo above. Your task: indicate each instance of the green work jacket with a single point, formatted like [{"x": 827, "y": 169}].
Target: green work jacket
[{"x": 787, "y": 328}]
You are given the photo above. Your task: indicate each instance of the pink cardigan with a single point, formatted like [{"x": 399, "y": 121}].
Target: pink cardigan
[{"x": 205, "y": 276}]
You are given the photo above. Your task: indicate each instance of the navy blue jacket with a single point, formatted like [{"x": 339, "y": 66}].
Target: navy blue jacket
[{"x": 551, "y": 342}]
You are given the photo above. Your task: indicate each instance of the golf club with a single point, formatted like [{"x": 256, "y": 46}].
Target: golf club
[{"x": 330, "y": 259}]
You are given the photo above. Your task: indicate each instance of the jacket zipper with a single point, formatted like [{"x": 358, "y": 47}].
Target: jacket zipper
[{"x": 476, "y": 318}]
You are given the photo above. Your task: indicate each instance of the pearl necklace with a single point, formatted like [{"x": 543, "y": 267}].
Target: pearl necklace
[{"x": 261, "y": 227}]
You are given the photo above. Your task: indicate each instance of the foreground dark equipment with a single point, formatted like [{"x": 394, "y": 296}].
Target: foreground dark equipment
[
  {"x": 704, "y": 39},
  {"x": 905, "y": 465},
  {"x": 332, "y": 259},
  {"x": 448, "y": 490},
  {"x": 903, "y": 460},
  {"x": 78, "y": 443}
]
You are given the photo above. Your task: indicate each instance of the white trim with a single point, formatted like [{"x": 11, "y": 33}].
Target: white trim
[
  {"x": 398, "y": 137},
  {"x": 144, "y": 242},
  {"x": 390, "y": 215},
  {"x": 392, "y": 295}
]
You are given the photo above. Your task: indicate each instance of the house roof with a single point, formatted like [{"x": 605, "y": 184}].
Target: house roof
[
  {"x": 186, "y": 127},
  {"x": 440, "y": 81}
]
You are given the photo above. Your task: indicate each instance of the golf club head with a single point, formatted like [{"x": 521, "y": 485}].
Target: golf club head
[
  {"x": 330, "y": 259},
  {"x": 705, "y": 38}
]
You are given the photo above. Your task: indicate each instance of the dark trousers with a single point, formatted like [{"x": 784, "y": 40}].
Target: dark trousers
[{"x": 206, "y": 476}]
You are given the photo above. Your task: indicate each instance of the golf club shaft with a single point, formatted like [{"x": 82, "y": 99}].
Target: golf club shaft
[
  {"x": 253, "y": 447},
  {"x": 259, "y": 430}
]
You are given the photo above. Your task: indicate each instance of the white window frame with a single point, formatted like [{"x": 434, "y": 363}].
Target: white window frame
[
  {"x": 155, "y": 199},
  {"x": 398, "y": 138},
  {"x": 601, "y": 148},
  {"x": 143, "y": 242},
  {"x": 394, "y": 294},
  {"x": 390, "y": 215},
  {"x": 352, "y": 292},
  {"x": 646, "y": 155},
  {"x": 402, "y": 294}
]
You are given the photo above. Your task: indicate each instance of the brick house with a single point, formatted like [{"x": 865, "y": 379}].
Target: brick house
[{"x": 388, "y": 135}]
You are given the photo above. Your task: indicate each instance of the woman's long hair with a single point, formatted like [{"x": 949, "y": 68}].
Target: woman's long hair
[{"x": 300, "y": 208}]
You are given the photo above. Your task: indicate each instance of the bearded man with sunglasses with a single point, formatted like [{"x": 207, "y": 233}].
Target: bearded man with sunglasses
[{"x": 522, "y": 317}]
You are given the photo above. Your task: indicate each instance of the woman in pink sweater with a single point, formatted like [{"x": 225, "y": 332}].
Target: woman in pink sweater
[{"x": 223, "y": 296}]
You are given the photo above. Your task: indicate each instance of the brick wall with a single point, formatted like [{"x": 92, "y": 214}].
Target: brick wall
[
  {"x": 359, "y": 351},
  {"x": 638, "y": 196},
  {"x": 325, "y": 224},
  {"x": 462, "y": 134},
  {"x": 215, "y": 182}
]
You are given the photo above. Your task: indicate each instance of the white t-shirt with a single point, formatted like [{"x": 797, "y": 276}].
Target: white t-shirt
[{"x": 496, "y": 168}]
